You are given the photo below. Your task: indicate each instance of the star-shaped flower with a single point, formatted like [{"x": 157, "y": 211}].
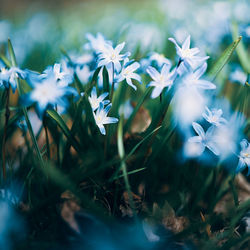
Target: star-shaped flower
[
  {"x": 244, "y": 157},
  {"x": 188, "y": 55},
  {"x": 128, "y": 73},
  {"x": 98, "y": 43},
  {"x": 112, "y": 55},
  {"x": 192, "y": 79},
  {"x": 46, "y": 93},
  {"x": 95, "y": 101},
  {"x": 205, "y": 140},
  {"x": 101, "y": 117},
  {"x": 64, "y": 78},
  {"x": 161, "y": 80},
  {"x": 160, "y": 59},
  {"x": 8, "y": 77},
  {"x": 213, "y": 116}
]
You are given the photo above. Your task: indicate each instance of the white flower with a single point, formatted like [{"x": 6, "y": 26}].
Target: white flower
[
  {"x": 244, "y": 157},
  {"x": 188, "y": 55},
  {"x": 161, "y": 80},
  {"x": 95, "y": 101},
  {"x": 205, "y": 140},
  {"x": 213, "y": 116},
  {"x": 112, "y": 55},
  {"x": 192, "y": 79},
  {"x": 101, "y": 117},
  {"x": 128, "y": 73}
]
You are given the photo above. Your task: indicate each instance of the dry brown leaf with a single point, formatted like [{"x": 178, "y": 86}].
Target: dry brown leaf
[
  {"x": 141, "y": 121},
  {"x": 68, "y": 209},
  {"x": 227, "y": 201}
]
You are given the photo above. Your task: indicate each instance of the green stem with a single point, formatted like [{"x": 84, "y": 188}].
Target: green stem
[
  {"x": 113, "y": 83},
  {"x": 121, "y": 152},
  {"x": 33, "y": 138},
  {"x": 7, "y": 116},
  {"x": 234, "y": 191},
  {"x": 46, "y": 136}
]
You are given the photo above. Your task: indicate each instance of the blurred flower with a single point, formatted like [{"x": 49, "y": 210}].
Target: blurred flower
[
  {"x": 128, "y": 73},
  {"x": 101, "y": 117},
  {"x": 204, "y": 139},
  {"x": 83, "y": 73},
  {"x": 62, "y": 77},
  {"x": 244, "y": 157},
  {"x": 188, "y": 105},
  {"x": 126, "y": 109},
  {"x": 112, "y": 55},
  {"x": 192, "y": 79},
  {"x": 238, "y": 75},
  {"x": 95, "y": 101},
  {"x": 213, "y": 116},
  {"x": 98, "y": 43},
  {"x": 46, "y": 93},
  {"x": 8, "y": 77},
  {"x": 188, "y": 55},
  {"x": 161, "y": 80},
  {"x": 160, "y": 59}
]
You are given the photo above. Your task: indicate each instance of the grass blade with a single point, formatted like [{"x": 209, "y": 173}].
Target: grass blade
[
  {"x": 222, "y": 61},
  {"x": 58, "y": 119}
]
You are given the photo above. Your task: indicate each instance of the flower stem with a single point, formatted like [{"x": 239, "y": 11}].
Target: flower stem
[
  {"x": 7, "y": 116},
  {"x": 46, "y": 136},
  {"x": 234, "y": 191},
  {"x": 113, "y": 83},
  {"x": 121, "y": 152}
]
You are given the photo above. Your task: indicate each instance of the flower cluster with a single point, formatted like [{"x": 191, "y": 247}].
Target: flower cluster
[{"x": 191, "y": 91}]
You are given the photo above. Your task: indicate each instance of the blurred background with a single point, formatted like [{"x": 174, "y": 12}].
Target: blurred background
[{"x": 38, "y": 29}]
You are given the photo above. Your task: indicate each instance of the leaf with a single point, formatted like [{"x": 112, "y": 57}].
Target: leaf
[
  {"x": 141, "y": 121},
  {"x": 58, "y": 119},
  {"x": 33, "y": 138},
  {"x": 222, "y": 61},
  {"x": 105, "y": 76},
  {"x": 241, "y": 51},
  {"x": 5, "y": 60}
]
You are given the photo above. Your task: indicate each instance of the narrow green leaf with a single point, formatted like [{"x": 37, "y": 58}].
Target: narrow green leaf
[
  {"x": 5, "y": 60},
  {"x": 25, "y": 112},
  {"x": 105, "y": 76},
  {"x": 58, "y": 119},
  {"x": 121, "y": 152},
  {"x": 129, "y": 173},
  {"x": 243, "y": 55},
  {"x": 222, "y": 61}
]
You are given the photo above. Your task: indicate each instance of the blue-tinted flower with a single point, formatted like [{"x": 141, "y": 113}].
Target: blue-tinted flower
[
  {"x": 98, "y": 43},
  {"x": 101, "y": 117},
  {"x": 244, "y": 157},
  {"x": 213, "y": 116},
  {"x": 192, "y": 79},
  {"x": 112, "y": 55},
  {"x": 83, "y": 73},
  {"x": 46, "y": 93},
  {"x": 63, "y": 78},
  {"x": 188, "y": 105},
  {"x": 95, "y": 101},
  {"x": 128, "y": 73},
  {"x": 8, "y": 77},
  {"x": 161, "y": 80},
  {"x": 160, "y": 59},
  {"x": 238, "y": 76},
  {"x": 204, "y": 140},
  {"x": 188, "y": 55}
]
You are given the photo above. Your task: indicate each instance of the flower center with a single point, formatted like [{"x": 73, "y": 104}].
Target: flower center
[
  {"x": 113, "y": 56},
  {"x": 186, "y": 53}
]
